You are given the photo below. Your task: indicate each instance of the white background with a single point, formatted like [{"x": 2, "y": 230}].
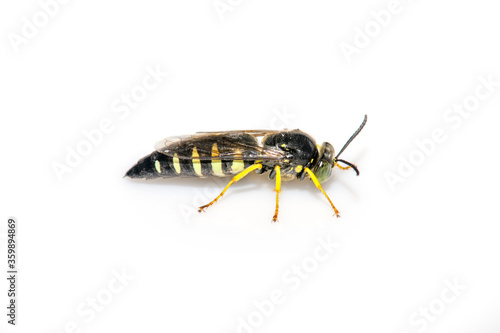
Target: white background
[{"x": 245, "y": 69}]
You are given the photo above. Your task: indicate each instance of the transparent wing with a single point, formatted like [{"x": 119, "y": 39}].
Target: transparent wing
[
  {"x": 255, "y": 133},
  {"x": 242, "y": 145}
]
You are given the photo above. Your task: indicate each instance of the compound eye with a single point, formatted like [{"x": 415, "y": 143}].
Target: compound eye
[{"x": 324, "y": 171}]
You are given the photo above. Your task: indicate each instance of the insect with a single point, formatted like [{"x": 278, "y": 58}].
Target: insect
[{"x": 287, "y": 155}]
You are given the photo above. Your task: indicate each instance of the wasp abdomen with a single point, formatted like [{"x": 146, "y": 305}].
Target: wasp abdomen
[
  {"x": 158, "y": 165},
  {"x": 153, "y": 165}
]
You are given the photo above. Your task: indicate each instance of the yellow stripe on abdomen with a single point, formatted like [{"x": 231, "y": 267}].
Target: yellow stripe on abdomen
[
  {"x": 177, "y": 164},
  {"x": 238, "y": 165},
  {"x": 158, "y": 166},
  {"x": 216, "y": 162},
  {"x": 196, "y": 163}
]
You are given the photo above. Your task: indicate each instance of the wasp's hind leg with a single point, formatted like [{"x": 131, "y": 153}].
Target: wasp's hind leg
[
  {"x": 278, "y": 189},
  {"x": 234, "y": 180},
  {"x": 318, "y": 185}
]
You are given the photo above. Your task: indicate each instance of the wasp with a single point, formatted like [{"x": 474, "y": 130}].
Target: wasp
[{"x": 286, "y": 155}]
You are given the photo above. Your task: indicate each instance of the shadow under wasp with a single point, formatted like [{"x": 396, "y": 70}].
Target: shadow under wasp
[{"x": 287, "y": 155}]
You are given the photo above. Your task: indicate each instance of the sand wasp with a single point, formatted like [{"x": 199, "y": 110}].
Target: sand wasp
[{"x": 287, "y": 154}]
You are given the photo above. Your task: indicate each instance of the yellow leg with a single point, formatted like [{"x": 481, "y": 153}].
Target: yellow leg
[
  {"x": 342, "y": 167},
  {"x": 234, "y": 180},
  {"x": 278, "y": 189},
  {"x": 318, "y": 185}
]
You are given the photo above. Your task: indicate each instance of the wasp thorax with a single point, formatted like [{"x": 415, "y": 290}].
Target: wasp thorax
[{"x": 300, "y": 149}]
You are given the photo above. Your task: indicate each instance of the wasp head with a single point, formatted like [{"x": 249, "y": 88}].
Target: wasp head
[{"x": 326, "y": 161}]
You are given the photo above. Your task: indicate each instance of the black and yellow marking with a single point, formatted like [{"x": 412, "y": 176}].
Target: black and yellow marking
[
  {"x": 203, "y": 157},
  {"x": 287, "y": 155},
  {"x": 237, "y": 164},
  {"x": 197, "y": 165},
  {"x": 158, "y": 166},
  {"x": 196, "y": 162},
  {"x": 216, "y": 162},
  {"x": 176, "y": 164}
]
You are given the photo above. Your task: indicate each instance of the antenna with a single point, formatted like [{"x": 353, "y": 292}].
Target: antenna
[
  {"x": 352, "y": 137},
  {"x": 350, "y": 165}
]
